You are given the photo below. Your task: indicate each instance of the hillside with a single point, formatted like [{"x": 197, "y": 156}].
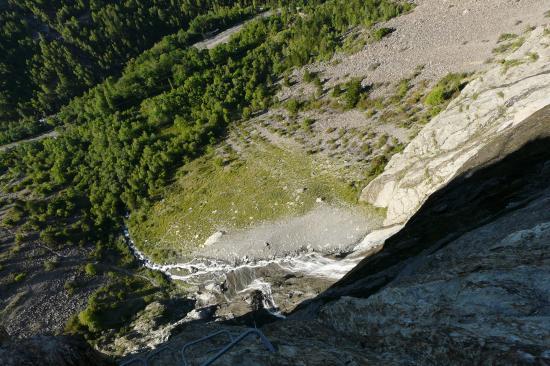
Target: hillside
[
  {"x": 463, "y": 281},
  {"x": 65, "y": 199},
  {"x": 365, "y": 181}
]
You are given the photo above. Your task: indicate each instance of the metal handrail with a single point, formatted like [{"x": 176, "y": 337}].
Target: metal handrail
[
  {"x": 262, "y": 337},
  {"x": 157, "y": 351},
  {"x": 221, "y": 352},
  {"x": 137, "y": 359},
  {"x": 145, "y": 361},
  {"x": 189, "y": 344}
]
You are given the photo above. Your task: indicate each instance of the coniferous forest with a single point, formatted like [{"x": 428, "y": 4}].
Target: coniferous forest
[{"x": 133, "y": 100}]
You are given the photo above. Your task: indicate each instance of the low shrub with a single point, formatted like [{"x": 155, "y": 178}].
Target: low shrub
[
  {"x": 90, "y": 269},
  {"x": 445, "y": 90},
  {"x": 293, "y": 106},
  {"x": 19, "y": 277},
  {"x": 51, "y": 264},
  {"x": 380, "y": 33}
]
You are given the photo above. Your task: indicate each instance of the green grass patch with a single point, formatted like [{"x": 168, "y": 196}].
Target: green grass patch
[
  {"x": 266, "y": 184},
  {"x": 507, "y": 37},
  {"x": 509, "y": 46},
  {"x": 443, "y": 92},
  {"x": 380, "y": 33},
  {"x": 508, "y": 64}
]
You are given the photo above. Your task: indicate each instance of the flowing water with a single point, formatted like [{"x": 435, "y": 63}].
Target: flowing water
[{"x": 210, "y": 274}]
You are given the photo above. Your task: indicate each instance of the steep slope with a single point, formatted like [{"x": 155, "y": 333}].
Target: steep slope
[
  {"x": 465, "y": 281},
  {"x": 494, "y": 104},
  {"x": 49, "y": 350}
]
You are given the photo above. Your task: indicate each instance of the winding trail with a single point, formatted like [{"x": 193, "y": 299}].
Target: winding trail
[
  {"x": 12, "y": 145},
  {"x": 223, "y": 37},
  {"x": 220, "y": 38}
]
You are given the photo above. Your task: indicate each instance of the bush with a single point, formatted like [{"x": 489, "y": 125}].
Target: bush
[
  {"x": 382, "y": 140},
  {"x": 512, "y": 45},
  {"x": 19, "y": 277},
  {"x": 51, "y": 264},
  {"x": 19, "y": 237},
  {"x": 13, "y": 217},
  {"x": 381, "y": 33},
  {"x": 445, "y": 89},
  {"x": 337, "y": 91},
  {"x": 293, "y": 106},
  {"x": 247, "y": 113},
  {"x": 286, "y": 81},
  {"x": 507, "y": 37},
  {"x": 309, "y": 76},
  {"x": 352, "y": 93},
  {"x": 366, "y": 148},
  {"x": 402, "y": 88},
  {"x": 90, "y": 269},
  {"x": 307, "y": 123},
  {"x": 70, "y": 286},
  {"x": 377, "y": 166}
]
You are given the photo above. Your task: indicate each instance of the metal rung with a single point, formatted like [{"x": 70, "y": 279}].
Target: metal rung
[
  {"x": 257, "y": 332},
  {"x": 133, "y": 360},
  {"x": 220, "y": 352},
  {"x": 189, "y": 344}
]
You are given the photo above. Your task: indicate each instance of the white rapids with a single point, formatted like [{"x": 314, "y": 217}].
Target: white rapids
[
  {"x": 201, "y": 270},
  {"x": 312, "y": 264}
]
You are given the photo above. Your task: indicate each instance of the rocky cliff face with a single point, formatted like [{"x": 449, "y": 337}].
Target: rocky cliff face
[
  {"x": 48, "y": 350},
  {"x": 464, "y": 282},
  {"x": 466, "y": 279},
  {"x": 462, "y": 137}
]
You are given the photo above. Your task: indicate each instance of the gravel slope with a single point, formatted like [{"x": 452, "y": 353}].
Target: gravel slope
[{"x": 444, "y": 35}]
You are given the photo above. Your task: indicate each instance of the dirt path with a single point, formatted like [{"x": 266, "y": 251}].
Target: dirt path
[
  {"x": 224, "y": 36},
  {"x": 39, "y": 137}
]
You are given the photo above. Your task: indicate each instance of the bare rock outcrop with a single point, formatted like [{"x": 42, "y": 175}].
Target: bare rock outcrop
[
  {"x": 462, "y": 137},
  {"x": 49, "y": 351},
  {"x": 466, "y": 279},
  {"x": 464, "y": 282}
]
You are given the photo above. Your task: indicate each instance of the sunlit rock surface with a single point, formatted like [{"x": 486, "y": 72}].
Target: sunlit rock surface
[
  {"x": 465, "y": 281},
  {"x": 496, "y": 102}
]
